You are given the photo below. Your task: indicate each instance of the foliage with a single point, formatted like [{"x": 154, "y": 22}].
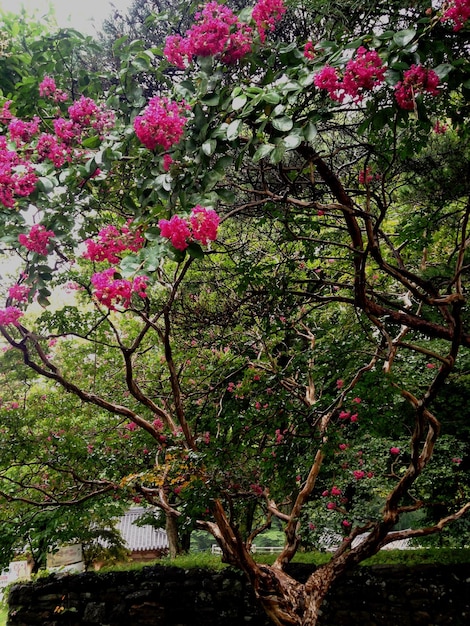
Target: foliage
[{"x": 249, "y": 278}]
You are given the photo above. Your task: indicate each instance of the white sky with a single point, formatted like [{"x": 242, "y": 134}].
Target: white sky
[{"x": 83, "y": 15}]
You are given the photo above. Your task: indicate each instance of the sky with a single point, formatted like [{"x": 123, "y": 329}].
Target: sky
[{"x": 83, "y": 15}]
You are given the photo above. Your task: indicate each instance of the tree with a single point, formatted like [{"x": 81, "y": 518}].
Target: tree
[{"x": 293, "y": 180}]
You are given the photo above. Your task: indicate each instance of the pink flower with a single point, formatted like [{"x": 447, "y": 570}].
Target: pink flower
[
  {"x": 204, "y": 224},
  {"x": 394, "y": 450},
  {"x": 328, "y": 78},
  {"x": 346, "y": 523},
  {"x": 325, "y": 493},
  {"x": 161, "y": 124},
  {"x": 257, "y": 489},
  {"x": 131, "y": 426},
  {"x": 344, "y": 415},
  {"x": 331, "y": 506},
  {"x": 357, "y": 400},
  {"x": 335, "y": 491},
  {"x": 354, "y": 417},
  {"x": 111, "y": 291},
  {"x": 343, "y": 446},
  {"x": 167, "y": 162},
  {"x": 430, "y": 366},
  {"x": 457, "y": 460},
  {"x": 19, "y": 293},
  {"x": 265, "y": 14},
  {"x": 458, "y": 11},
  {"x": 216, "y": 31},
  {"x": 365, "y": 176},
  {"x": 112, "y": 242},
  {"x": 177, "y": 51},
  {"x": 37, "y": 240},
  {"x": 309, "y": 51},
  {"x": 339, "y": 383},
  {"x": 440, "y": 128},
  {"x": 23, "y": 132},
  {"x": 176, "y": 230},
  {"x": 17, "y": 176},
  {"x": 363, "y": 73},
  {"x": 48, "y": 147},
  {"x": 48, "y": 89},
  {"x": 10, "y": 315},
  {"x": 358, "y": 474},
  {"x": 417, "y": 80}
]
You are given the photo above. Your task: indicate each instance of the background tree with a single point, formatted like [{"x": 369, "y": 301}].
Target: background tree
[{"x": 338, "y": 316}]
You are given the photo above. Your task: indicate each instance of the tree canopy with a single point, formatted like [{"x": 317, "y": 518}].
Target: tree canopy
[{"x": 241, "y": 285}]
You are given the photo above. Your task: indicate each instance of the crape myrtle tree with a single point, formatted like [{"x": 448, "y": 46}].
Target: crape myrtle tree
[{"x": 271, "y": 274}]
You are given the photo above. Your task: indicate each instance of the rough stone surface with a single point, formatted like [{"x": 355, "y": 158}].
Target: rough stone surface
[{"x": 168, "y": 596}]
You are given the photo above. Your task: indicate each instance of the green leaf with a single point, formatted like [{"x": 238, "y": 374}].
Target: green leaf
[
  {"x": 195, "y": 251},
  {"x": 239, "y": 102},
  {"x": 45, "y": 184},
  {"x": 404, "y": 37},
  {"x": 278, "y": 153},
  {"x": 91, "y": 142},
  {"x": 271, "y": 97},
  {"x": 209, "y": 146},
  {"x": 310, "y": 132},
  {"x": 283, "y": 124},
  {"x": 263, "y": 151},
  {"x": 443, "y": 70},
  {"x": 292, "y": 141},
  {"x": 233, "y": 130}
]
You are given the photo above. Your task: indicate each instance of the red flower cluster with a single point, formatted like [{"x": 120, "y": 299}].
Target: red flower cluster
[
  {"x": 112, "y": 242},
  {"x": 458, "y": 12},
  {"x": 37, "y": 240},
  {"x": 217, "y": 30},
  {"x": 363, "y": 73},
  {"x": 161, "y": 123},
  {"x": 201, "y": 226},
  {"x": 111, "y": 291},
  {"x": 417, "y": 80}
]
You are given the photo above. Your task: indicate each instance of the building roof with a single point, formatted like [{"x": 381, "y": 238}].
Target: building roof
[{"x": 140, "y": 538}]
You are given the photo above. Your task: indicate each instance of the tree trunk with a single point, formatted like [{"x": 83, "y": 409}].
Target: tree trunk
[
  {"x": 174, "y": 544},
  {"x": 288, "y": 602}
]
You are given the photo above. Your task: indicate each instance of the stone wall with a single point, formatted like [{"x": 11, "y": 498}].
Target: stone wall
[{"x": 168, "y": 596}]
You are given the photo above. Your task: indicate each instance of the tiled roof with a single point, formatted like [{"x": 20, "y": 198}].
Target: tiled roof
[{"x": 140, "y": 538}]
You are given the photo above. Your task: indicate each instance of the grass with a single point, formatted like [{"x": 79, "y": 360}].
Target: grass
[{"x": 421, "y": 556}]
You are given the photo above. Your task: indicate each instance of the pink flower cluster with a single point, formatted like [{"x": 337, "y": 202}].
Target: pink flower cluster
[
  {"x": 161, "y": 123},
  {"x": 417, "y": 80},
  {"x": 265, "y": 14},
  {"x": 19, "y": 293},
  {"x": 17, "y": 175},
  {"x": 309, "y": 50},
  {"x": 363, "y": 73},
  {"x": 10, "y": 315},
  {"x": 37, "y": 240},
  {"x": 217, "y": 30},
  {"x": 48, "y": 89},
  {"x": 201, "y": 226},
  {"x": 21, "y": 131},
  {"x": 112, "y": 242},
  {"x": 111, "y": 291},
  {"x": 458, "y": 11},
  {"x": 84, "y": 116}
]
